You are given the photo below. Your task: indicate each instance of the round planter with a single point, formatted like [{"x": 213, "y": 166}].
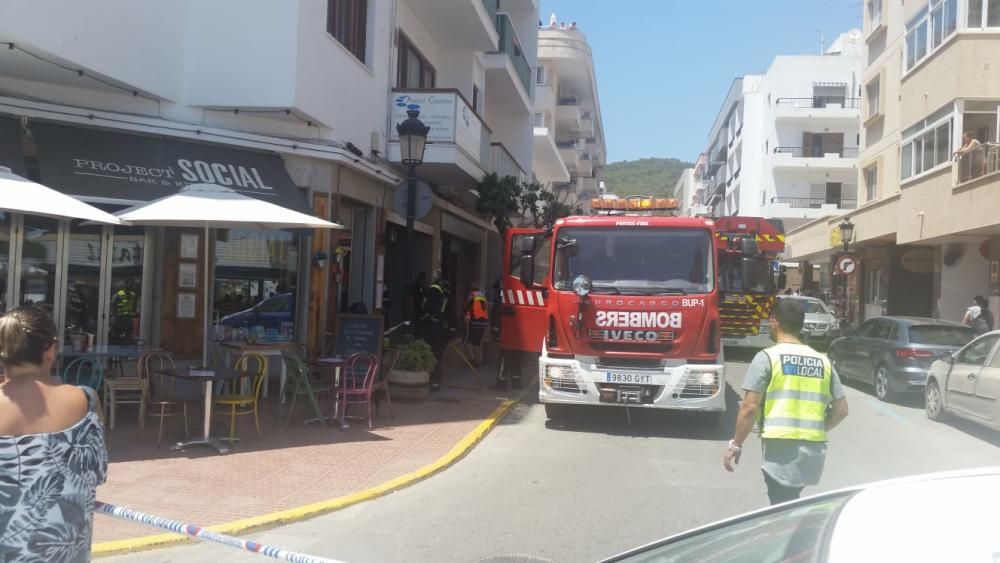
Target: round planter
[{"x": 409, "y": 386}]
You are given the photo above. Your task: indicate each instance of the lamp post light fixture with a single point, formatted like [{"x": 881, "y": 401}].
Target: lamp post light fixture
[
  {"x": 412, "y": 142},
  {"x": 846, "y": 233}
]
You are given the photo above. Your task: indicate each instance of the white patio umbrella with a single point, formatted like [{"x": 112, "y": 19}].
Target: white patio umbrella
[
  {"x": 210, "y": 206},
  {"x": 20, "y": 195}
]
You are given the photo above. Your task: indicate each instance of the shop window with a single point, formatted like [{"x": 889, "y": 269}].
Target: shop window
[
  {"x": 38, "y": 262},
  {"x": 414, "y": 71},
  {"x": 127, "y": 250},
  {"x": 347, "y": 21},
  {"x": 256, "y": 278},
  {"x": 5, "y": 243},
  {"x": 83, "y": 284}
]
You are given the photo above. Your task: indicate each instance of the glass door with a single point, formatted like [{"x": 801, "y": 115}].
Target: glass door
[
  {"x": 6, "y": 279},
  {"x": 125, "y": 285},
  {"x": 84, "y": 297}
]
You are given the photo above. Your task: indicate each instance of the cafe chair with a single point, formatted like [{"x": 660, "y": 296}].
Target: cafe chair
[
  {"x": 381, "y": 388},
  {"x": 87, "y": 372},
  {"x": 358, "y": 383},
  {"x": 301, "y": 382},
  {"x": 240, "y": 403},
  {"x": 121, "y": 390},
  {"x": 158, "y": 394}
]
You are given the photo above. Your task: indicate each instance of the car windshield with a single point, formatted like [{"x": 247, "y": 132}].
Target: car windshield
[
  {"x": 814, "y": 307},
  {"x": 644, "y": 260},
  {"x": 793, "y": 534},
  {"x": 939, "y": 335}
]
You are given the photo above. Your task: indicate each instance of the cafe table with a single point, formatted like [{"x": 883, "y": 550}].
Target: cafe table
[
  {"x": 335, "y": 363},
  {"x": 207, "y": 377},
  {"x": 234, "y": 349}
]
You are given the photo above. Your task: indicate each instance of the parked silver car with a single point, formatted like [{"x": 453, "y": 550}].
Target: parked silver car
[
  {"x": 821, "y": 327},
  {"x": 967, "y": 383}
]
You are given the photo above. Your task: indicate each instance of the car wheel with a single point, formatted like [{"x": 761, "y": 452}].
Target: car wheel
[
  {"x": 935, "y": 402},
  {"x": 882, "y": 389}
]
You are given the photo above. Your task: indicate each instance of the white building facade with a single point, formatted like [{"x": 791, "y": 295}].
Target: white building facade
[
  {"x": 569, "y": 143},
  {"x": 784, "y": 144},
  {"x": 306, "y": 92}
]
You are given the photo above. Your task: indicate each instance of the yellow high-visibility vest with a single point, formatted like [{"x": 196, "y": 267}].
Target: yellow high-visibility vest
[{"x": 797, "y": 397}]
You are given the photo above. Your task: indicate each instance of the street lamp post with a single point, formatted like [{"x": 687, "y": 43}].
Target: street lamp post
[
  {"x": 412, "y": 141},
  {"x": 846, "y": 233}
]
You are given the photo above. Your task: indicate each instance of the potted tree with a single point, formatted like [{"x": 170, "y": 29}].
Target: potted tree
[{"x": 410, "y": 375}]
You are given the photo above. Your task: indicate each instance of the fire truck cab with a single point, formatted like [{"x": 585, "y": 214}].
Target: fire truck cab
[{"x": 622, "y": 308}]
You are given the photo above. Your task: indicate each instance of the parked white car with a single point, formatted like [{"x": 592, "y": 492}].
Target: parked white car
[{"x": 967, "y": 383}]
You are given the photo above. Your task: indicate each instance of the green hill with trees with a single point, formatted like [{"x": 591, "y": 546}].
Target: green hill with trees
[{"x": 646, "y": 176}]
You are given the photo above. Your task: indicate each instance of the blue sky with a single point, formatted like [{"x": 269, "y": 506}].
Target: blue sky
[{"x": 664, "y": 66}]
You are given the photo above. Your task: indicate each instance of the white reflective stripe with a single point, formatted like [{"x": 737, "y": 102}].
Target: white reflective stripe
[
  {"x": 510, "y": 296},
  {"x": 541, "y": 300},
  {"x": 520, "y": 297},
  {"x": 531, "y": 297},
  {"x": 503, "y": 298}
]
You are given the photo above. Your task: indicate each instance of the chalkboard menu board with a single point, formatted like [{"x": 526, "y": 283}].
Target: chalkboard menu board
[{"x": 359, "y": 333}]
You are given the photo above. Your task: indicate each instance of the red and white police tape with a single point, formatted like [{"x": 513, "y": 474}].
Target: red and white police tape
[{"x": 204, "y": 534}]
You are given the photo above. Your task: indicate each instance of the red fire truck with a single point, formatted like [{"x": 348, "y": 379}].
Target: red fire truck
[
  {"x": 622, "y": 307},
  {"x": 745, "y": 311}
]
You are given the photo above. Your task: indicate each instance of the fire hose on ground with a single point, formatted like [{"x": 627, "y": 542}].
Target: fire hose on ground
[{"x": 204, "y": 534}]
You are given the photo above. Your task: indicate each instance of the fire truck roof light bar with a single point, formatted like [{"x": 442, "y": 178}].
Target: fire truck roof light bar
[{"x": 634, "y": 204}]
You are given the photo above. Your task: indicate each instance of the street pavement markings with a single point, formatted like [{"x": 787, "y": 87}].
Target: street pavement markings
[{"x": 315, "y": 509}]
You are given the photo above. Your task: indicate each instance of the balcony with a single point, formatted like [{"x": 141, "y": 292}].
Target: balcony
[
  {"x": 503, "y": 164},
  {"x": 809, "y": 207},
  {"x": 458, "y": 145},
  {"x": 815, "y": 157},
  {"x": 508, "y": 72},
  {"x": 587, "y": 124},
  {"x": 973, "y": 166},
  {"x": 585, "y": 165},
  {"x": 547, "y": 160},
  {"x": 461, "y": 24},
  {"x": 570, "y": 154},
  {"x": 817, "y": 107},
  {"x": 568, "y": 113}
]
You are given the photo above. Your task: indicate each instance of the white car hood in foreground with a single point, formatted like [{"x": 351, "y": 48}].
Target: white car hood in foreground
[{"x": 943, "y": 519}]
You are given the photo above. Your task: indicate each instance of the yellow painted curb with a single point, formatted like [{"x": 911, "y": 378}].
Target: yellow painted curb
[{"x": 317, "y": 508}]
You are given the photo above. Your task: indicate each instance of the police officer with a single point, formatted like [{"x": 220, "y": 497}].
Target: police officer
[
  {"x": 802, "y": 398},
  {"x": 438, "y": 297}
]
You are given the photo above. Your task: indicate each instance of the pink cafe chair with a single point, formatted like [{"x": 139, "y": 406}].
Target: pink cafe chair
[{"x": 358, "y": 383}]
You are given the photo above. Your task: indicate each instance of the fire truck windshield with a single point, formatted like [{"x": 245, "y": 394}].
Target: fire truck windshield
[{"x": 643, "y": 261}]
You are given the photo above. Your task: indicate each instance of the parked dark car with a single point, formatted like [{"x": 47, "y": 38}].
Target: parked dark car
[
  {"x": 895, "y": 353},
  {"x": 821, "y": 327},
  {"x": 269, "y": 313}
]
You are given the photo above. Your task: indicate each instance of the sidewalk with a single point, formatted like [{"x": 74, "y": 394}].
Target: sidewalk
[{"x": 292, "y": 465}]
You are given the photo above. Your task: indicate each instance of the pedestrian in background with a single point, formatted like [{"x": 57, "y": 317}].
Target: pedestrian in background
[
  {"x": 52, "y": 450},
  {"x": 796, "y": 395},
  {"x": 438, "y": 296},
  {"x": 477, "y": 320},
  {"x": 979, "y": 316}
]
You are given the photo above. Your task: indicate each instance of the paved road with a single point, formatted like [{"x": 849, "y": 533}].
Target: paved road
[{"x": 596, "y": 485}]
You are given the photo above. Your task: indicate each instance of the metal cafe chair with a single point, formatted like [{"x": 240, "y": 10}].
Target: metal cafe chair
[
  {"x": 358, "y": 383},
  {"x": 244, "y": 404},
  {"x": 157, "y": 398},
  {"x": 300, "y": 383}
]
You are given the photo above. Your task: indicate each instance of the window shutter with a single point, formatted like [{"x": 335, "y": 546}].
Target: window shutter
[{"x": 540, "y": 76}]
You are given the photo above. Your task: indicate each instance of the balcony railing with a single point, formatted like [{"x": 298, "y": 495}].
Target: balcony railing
[
  {"x": 511, "y": 45},
  {"x": 491, "y": 9},
  {"x": 818, "y": 102},
  {"x": 815, "y": 202},
  {"x": 566, "y": 145},
  {"x": 817, "y": 152},
  {"x": 503, "y": 163},
  {"x": 982, "y": 161}
]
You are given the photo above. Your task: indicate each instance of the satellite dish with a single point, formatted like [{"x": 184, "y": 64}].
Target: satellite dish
[{"x": 425, "y": 199}]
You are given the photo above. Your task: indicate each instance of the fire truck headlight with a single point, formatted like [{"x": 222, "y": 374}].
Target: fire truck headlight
[
  {"x": 582, "y": 286},
  {"x": 708, "y": 378},
  {"x": 555, "y": 372}
]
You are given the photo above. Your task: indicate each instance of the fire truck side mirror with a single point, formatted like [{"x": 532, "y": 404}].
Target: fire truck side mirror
[
  {"x": 751, "y": 274},
  {"x": 527, "y": 268}
]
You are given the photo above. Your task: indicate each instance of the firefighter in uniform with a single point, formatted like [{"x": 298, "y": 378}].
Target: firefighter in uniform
[
  {"x": 801, "y": 397},
  {"x": 477, "y": 321},
  {"x": 125, "y": 308},
  {"x": 438, "y": 297}
]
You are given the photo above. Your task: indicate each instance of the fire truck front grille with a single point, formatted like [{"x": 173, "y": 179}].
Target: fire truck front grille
[
  {"x": 633, "y": 363},
  {"x": 658, "y": 348}
]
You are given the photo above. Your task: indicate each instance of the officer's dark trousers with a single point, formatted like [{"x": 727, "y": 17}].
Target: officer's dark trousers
[
  {"x": 778, "y": 493},
  {"x": 439, "y": 341}
]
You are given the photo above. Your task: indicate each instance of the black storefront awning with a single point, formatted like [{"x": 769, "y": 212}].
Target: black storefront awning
[
  {"x": 97, "y": 163},
  {"x": 11, "y": 155}
]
